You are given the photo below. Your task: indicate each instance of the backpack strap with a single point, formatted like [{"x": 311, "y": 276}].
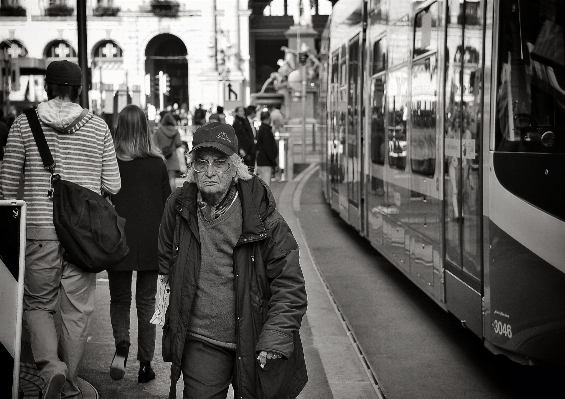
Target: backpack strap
[{"x": 40, "y": 141}]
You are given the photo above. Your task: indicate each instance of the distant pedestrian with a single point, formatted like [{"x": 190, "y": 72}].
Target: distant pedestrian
[
  {"x": 219, "y": 116},
  {"x": 83, "y": 151},
  {"x": 168, "y": 140},
  {"x": 145, "y": 189},
  {"x": 199, "y": 116},
  {"x": 246, "y": 141},
  {"x": 277, "y": 119},
  {"x": 251, "y": 113},
  {"x": 267, "y": 149},
  {"x": 237, "y": 293}
]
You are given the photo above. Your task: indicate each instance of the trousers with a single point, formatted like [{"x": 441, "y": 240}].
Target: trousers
[
  {"x": 207, "y": 370},
  {"x": 120, "y": 304},
  {"x": 49, "y": 279}
]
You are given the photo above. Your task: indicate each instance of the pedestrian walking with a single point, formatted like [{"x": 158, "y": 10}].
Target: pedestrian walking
[
  {"x": 277, "y": 118},
  {"x": 245, "y": 138},
  {"x": 267, "y": 149},
  {"x": 145, "y": 189},
  {"x": 237, "y": 293},
  {"x": 83, "y": 152},
  {"x": 218, "y": 116},
  {"x": 199, "y": 116},
  {"x": 168, "y": 140}
]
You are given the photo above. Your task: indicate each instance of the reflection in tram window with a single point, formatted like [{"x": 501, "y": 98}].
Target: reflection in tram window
[
  {"x": 531, "y": 77},
  {"x": 397, "y": 115},
  {"x": 426, "y": 33},
  {"x": 423, "y": 116},
  {"x": 378, "y": 139}
]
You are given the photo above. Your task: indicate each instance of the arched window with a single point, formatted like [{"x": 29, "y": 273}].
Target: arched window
[
  {"x": 60, "y": 49},
  {"x": 13, "y": 49},
  {"x": 107, "y": 49},
  {"x": 288, "y": 7}
]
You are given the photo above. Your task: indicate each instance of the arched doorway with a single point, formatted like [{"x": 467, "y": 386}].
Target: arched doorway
[{"x": 167, "y": 53}]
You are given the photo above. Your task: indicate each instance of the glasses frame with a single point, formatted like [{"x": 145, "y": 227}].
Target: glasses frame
[{"x": 212, "y": 164}]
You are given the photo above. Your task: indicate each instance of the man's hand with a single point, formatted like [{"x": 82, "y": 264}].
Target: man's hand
[
  {"x": 264, "y": 355},
  {"x": 242, "y": 152}
]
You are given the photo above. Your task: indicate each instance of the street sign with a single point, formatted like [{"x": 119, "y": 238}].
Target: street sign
[
  {"x": 12, "y": 265},
  {"x": 232, "y": 91}
]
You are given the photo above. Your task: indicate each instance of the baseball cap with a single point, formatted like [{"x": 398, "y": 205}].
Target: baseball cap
[
  {"x": 64, "y": 73},
  {"x": 220, "y": 136}
]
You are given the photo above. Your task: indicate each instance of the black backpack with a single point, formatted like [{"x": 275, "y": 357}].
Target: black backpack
[{"x": 87, "y": 225}]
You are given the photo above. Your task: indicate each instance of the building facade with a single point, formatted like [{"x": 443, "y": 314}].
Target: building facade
[{"x": 200, "y": 46}]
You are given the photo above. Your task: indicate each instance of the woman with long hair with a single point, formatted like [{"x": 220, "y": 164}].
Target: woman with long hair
[{"x": 141, "y": 200}]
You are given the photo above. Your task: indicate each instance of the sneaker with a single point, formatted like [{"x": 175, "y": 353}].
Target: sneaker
[
  {"x": 146, "y": 373},
  {"x": 118, "y": 366},
  {"x": 54, "y": 386}
]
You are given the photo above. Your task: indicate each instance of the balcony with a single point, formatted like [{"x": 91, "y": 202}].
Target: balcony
[
  {"x": 104, "y": 11},
  {"x": 12, "y": 11},
  {"x": 165, "y": 8},
  {"x": 59, "y": 10}
]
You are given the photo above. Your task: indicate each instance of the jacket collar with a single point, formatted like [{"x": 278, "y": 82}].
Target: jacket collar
[{"x": 257, "y": 202}]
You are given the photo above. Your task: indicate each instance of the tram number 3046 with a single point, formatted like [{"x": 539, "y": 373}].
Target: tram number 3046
[{"x": 502, "y": 328}]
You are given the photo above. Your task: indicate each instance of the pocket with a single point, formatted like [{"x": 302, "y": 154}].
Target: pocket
[{"x": 274, "y": 377}]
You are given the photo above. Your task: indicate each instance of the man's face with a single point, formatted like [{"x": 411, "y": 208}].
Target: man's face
[
  {"x": 210, "y": 181},
  {"x": 241, "y": 112}
]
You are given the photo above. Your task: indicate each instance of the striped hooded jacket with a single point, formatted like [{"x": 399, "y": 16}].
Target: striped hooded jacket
[{"x": 82, "y": 149}]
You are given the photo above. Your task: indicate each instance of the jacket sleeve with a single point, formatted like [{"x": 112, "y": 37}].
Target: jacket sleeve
[
  {"x": 111, "y": 181},
  {"x": 13, "y": 164},
  {"x": 288, "y": 301},
  {"x": 166, "y": 234},
  {"x": 165, "y": 185}
]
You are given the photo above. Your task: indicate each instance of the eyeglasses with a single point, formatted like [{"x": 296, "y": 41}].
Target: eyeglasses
[{"x": 219, "y": 165}]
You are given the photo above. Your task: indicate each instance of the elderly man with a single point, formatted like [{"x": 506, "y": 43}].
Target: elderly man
[{"x": 237, "y": 293}]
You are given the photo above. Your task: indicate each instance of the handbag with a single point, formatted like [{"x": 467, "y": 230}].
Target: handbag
[{"x": 87, "y": 225}]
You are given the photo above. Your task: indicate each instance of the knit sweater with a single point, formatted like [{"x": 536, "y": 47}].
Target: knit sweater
[
  {"x": 212, "y": 316},
  {"x": 82, "y": 149}
]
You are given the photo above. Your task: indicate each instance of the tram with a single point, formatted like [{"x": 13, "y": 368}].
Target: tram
[{"x": 445, "y": 148}]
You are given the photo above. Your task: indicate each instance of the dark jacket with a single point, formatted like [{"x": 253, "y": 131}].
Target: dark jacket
[
  {"x": 245, "y": 139},
  {"x": 169, "y": 136},
  {"x": 269, "y": 287},
  {"x": 145, "y": 189},
  {"x": 267, "y": 149}
]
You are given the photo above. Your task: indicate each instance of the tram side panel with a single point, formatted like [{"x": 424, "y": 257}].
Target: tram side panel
[{"x": 526, "y": 216}]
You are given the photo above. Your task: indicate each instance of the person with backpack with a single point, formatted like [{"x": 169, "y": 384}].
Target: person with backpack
[
  {"x": 83, "y": 152},
  {"x": 144, "y": 176},
  {"x": 168, "y": 140}
]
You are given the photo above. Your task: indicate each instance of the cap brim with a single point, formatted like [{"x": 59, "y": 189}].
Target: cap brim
[{"x": 218, "y": 146}]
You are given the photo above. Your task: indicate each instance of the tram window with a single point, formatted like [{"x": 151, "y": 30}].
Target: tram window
[
  {"x": 378, "y": 138},
  {"x": 379, "y": 56},
  {"x": 397, "y": 90},
  {"x": 425, "y": 30},
  {"x": 530, "y": 111},
  {"x": 399, "y": 41},
  {"x": 343, "y": 67},
  {"x": 423, "y": 116},
  {"x": 335, "y": 67}
]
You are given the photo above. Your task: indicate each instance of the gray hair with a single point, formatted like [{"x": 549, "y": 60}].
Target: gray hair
[{"x": 241, "y": 170}]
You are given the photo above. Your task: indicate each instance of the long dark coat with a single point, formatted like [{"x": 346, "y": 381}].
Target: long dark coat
[
  {"x": 267, "y": 149},
  {"x": 245, "y": 139},
  {"x": 141, "y": 200},
  {"x": 269, "y": 288}
]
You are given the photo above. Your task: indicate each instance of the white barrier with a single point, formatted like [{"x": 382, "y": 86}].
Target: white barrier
[{"x": 12, "y": 266}]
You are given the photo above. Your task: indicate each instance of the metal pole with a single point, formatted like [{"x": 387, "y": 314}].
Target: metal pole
[
  {"x": 82, "y": 54},
  {"x": 303, "y": 75}
]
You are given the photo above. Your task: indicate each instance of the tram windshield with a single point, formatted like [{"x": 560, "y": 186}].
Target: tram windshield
[{"x": 531, "y": 77}]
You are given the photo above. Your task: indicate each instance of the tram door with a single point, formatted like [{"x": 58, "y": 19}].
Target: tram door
[
  {"x": 353, "y": 138},
  {"x": 462, "y": 137}
]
